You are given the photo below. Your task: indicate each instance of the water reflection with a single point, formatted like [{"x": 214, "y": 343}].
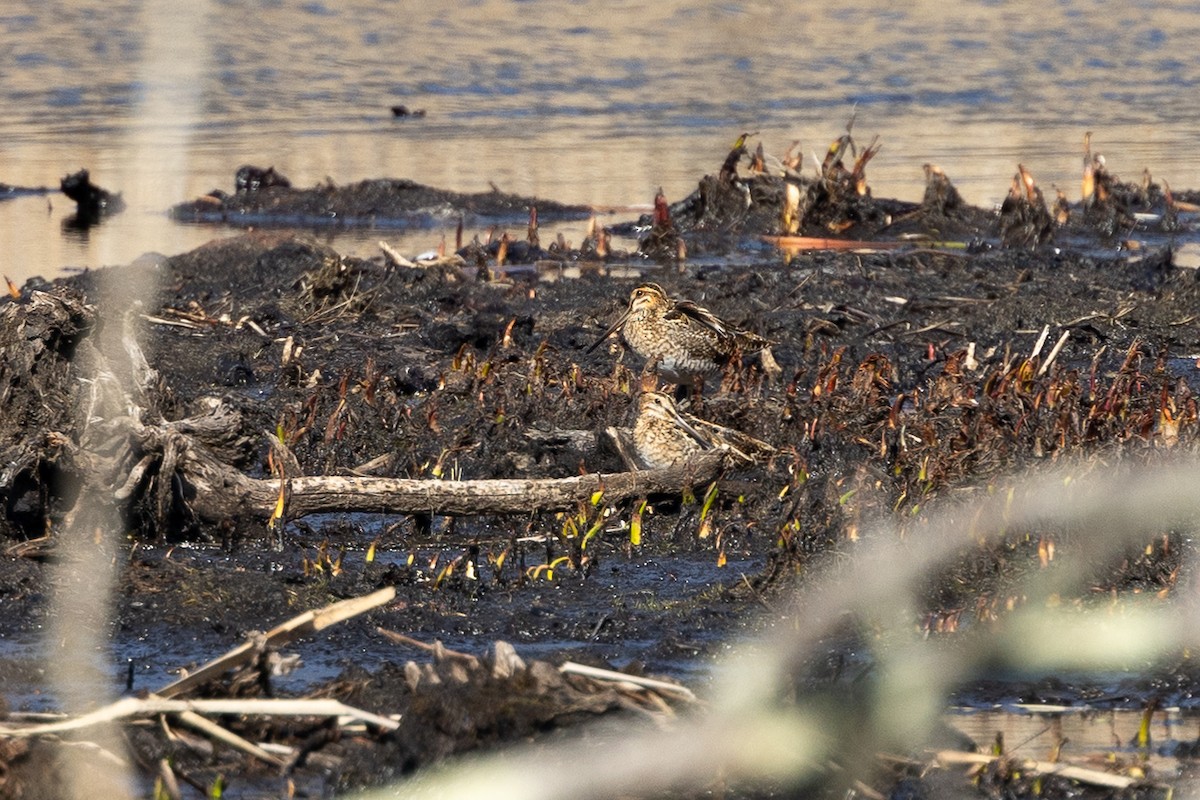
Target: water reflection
[{"x": 564, "y": 99}]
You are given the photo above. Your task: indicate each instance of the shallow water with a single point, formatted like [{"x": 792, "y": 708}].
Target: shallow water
[
  {"x": 1105, "y": 738},
  {"x": 146, "y": 652},
  {"x": 561, "y": 99}
]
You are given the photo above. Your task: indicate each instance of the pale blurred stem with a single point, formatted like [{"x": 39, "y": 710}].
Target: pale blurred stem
[{"x": 79, "y": 664}]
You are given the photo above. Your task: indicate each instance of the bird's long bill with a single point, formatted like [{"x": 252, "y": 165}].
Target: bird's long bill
[
  {"x": 611, "y": 330},
  {"x": 704, "y": 442}
]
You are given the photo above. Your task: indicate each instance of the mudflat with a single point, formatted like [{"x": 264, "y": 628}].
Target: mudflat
[{"x": 920, "y": 354}]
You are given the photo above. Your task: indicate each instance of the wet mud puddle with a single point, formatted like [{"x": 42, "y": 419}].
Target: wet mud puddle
[
  {"x": 1159, "y": 744},
  {"x": 625, "y": 615}
]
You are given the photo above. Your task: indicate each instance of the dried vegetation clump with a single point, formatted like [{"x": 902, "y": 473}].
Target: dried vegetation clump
[{"x": 755, "y": 193}]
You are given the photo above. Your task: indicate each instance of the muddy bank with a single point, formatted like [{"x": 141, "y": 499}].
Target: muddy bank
[
  {"x": 905, "y": 375},
  {"x": 265, "y": 198},
  {"x": 752, "y": 194}
]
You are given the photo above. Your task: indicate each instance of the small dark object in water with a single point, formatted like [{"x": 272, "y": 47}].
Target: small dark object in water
[
  {"x": 251, "y": 179},
  {"x": 405, "y": 111},
  {"x": 92, "y": 202}
]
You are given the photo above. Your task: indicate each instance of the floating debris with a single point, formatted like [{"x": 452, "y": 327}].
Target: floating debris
[{"x": 92, "y": 202}]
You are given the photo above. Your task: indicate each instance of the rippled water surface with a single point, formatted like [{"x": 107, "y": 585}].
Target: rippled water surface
[{"x": 579, "y": 102}]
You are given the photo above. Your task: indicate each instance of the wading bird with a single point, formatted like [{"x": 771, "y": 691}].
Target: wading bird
[{"x": 683, "y": 341}]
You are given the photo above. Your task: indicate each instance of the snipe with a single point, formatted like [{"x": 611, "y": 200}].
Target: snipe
[
  {"x": 664, "y": 436},
  {"x": 685, "y": 342}
]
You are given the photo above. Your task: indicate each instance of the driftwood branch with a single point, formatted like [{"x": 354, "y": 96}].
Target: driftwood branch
[
  {"x": 1088, "y": 775},
  {"x": 598, "y": 674},
  {"x": 222, "y": 492},
  {"x": 300, "y": 625},
  {"x": 128, "y": 707},
  {"x": 203, "y": 725},
  {"x": 196, "y": 450}
]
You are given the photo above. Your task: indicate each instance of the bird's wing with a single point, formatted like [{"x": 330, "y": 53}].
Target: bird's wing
[
  {"x": 700, "y": 315},
  {"x": 741, "y": 444}
]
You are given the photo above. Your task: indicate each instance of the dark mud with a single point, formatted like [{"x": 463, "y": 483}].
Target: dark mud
[
  {"x": 905, "y": 375},
  {"x": 261, "y": 198}
]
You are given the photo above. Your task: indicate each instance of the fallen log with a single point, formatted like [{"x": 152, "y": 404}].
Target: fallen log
[
  {"x": 222, "y": 492},
  {"x": 213, "y": 490}
]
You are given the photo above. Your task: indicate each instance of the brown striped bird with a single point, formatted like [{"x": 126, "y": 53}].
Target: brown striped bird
[
  {"x": 664, "y": 436},
  {"x": 685, "y": 342}
]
